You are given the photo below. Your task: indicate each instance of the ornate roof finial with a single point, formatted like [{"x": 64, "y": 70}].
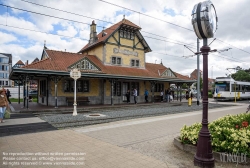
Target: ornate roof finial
[
  {"x": 45, "y": 45},
  {"x": 123, "y": 16},
  {"x": 161, "y": 62}
]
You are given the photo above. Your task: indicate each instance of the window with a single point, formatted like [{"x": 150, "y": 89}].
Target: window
[
  {"x": 4, "y": 60},
  {"x": 116, "y": 60},
  {"x": 127, "y": 34},
  {"x": 159, "y": 87},
  {"x": 6, "y": 83},
  {"x": 135, "y": 63},
  {"x": 81, "y": 85},
  {"x": 121, "y": 33},
  {"x": 117, "y": 89},
  {"x": 113, "y": 60},
  {"x": 132, "y": 62},
  {"x": 132, "y": 36},
  {"x": 222, "y": 86},
  {"x": 2, "y": 67}
]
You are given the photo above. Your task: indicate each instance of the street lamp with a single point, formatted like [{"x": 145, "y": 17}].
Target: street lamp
[
  {"x": 204, "y": 21},
  {"x": 75, "y": 74}
]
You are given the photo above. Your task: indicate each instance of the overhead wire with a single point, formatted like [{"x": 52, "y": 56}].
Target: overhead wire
[
  {"x": 100, "y": 20},
  {"x": 93, "y": 18},
  {"x": 163, "y": 21},
  {"x": 71, "y": 20},
  {"x": 146, "y": 15},
  {"x": 42, "y": 32},
  {"x": 234, "y": 46}
]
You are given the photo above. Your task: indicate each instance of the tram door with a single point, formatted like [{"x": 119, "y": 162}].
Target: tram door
[{"x": 125, "y": 87}]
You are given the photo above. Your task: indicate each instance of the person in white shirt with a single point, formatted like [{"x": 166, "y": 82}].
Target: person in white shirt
[
  {"x": 162, "y": 96},
  {"x": 135, "y": 95}
]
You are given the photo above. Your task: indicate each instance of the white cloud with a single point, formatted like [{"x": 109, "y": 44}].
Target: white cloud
[
  {"x": 6, "y": 38},
  {"x": 233, "y": 29}
]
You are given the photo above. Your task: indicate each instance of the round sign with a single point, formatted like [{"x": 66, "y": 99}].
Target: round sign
[
  {"x": 204, "y": 20},
  {"x": 75, "y": 74}
]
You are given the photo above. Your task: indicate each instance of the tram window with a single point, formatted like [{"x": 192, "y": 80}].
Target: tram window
[
  {"x": 235, "y": 88},
  {"x": 247, "y": 88},
  {"x": 222, "y": 87}
]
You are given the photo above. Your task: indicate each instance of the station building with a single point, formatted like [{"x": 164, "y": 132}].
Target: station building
[{"x": 112, "y": 62}]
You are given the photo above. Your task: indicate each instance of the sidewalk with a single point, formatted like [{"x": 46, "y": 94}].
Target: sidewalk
[{"x": 137, "y": 143}]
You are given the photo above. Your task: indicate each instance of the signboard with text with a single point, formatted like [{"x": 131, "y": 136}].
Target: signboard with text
[{"x": 75, "y": 74}]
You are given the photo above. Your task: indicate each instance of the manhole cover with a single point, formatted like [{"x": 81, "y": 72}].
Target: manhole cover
[{"x": 95, "y": 115}]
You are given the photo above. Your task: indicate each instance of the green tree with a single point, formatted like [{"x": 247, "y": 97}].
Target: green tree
[
  {"x": 201, "y": 84},
  {"x": 184, "y": 86},
  {"x": 241, "y": 75}
]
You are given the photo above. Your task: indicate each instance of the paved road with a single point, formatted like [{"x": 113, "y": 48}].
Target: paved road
[{"x": 154, "y": 136}]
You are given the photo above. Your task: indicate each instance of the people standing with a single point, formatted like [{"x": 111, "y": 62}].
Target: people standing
[
  {"x": 135, "y": 95},
  {"x": 161, "y": 95},
  {"x": 3, "y": 104},
  {"x": 8, "y": 95},
  {"x": 146, "y": 95},
  {"x": 167, "y": 94},
  {"x": 128, "y": 96}
]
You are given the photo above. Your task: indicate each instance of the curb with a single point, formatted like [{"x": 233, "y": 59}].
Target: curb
[{"x": 192, "y": 149}]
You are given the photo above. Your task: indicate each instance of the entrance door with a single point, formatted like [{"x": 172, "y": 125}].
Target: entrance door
[{"x": 125, "y": 87}]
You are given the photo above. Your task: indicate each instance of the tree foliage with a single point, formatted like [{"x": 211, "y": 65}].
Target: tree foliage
[
  {"x": 201, "y": 84},
  {"x": 241, "y": 75}
]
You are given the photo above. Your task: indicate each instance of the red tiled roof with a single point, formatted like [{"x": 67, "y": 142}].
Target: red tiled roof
[
  {"x": 108, "y": 32},
  {"x": 35, "y": 60},
  {"x": 20, "y": 62},
  {"x": 183, "y": 77},
  {"x": 60, "y": 61}
]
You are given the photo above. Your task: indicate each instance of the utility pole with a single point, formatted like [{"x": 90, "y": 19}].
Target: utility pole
[{"x": 198, "y": 72}]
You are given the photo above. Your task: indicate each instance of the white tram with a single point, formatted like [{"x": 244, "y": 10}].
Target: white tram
[{"x": 227, "y": 88}]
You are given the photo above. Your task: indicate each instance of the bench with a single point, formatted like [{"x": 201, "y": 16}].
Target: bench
[
  {"x": 157, "y": 98},
  {"x": 78, "y": 100}
]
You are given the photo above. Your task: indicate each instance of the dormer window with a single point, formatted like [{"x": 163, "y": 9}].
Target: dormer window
[
  {"x": 127, "y": 34},
  {"x": 121, "y": 33},
  {"x": 168, "y": 73}
]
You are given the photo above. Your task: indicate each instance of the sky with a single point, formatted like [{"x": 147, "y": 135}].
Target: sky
[{"x": 166, "y": 27}]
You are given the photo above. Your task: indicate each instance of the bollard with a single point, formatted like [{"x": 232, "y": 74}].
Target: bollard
[{"x": 189, "y": 101}]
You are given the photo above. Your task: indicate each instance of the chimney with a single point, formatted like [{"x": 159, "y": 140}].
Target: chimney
[{"x": 93, "y": 35}]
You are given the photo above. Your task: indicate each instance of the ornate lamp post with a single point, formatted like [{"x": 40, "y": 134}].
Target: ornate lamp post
[
  {"x": 204, "y": 20},
  {"x": 75, "y": 74}
]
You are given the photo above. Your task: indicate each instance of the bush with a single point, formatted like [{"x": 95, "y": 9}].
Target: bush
[
  {"x": 230, "y": 134},
  {"x": 210, "y": 95}
]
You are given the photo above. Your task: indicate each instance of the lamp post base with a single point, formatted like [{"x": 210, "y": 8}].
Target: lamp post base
[
  {"x": 200, "y": 162},
  {"x": 75, "y": 111}
]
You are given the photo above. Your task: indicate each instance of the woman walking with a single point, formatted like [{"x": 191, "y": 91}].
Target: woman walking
[{"x": 3, "y": 104}]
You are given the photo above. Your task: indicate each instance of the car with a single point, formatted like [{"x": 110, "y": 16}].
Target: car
[{"x": 33, "y": 92}]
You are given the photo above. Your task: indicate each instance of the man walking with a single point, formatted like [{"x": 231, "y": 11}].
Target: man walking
[
  {"x": 146, "y": 95},
  {"x": 135, "y": 95}
]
